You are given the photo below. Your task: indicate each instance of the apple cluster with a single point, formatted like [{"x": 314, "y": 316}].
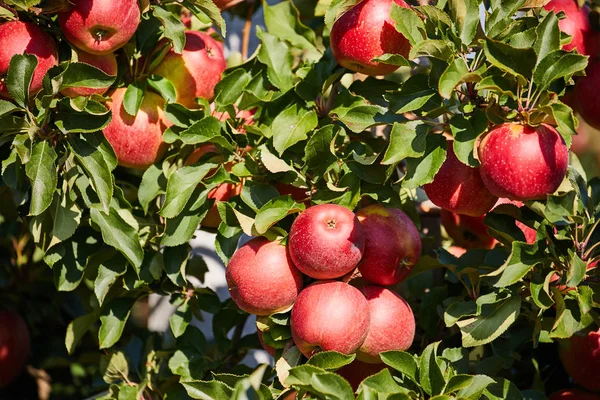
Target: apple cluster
[{"x": 348, "y": 260}]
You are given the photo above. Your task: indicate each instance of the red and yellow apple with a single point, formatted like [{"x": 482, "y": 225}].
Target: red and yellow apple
[
  {"x": 107, "y": 63},
  {"x": 14, "y": 346},
  {"x": 580, "y": 355}
]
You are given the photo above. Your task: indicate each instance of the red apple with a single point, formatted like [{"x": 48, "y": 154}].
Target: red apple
[
  {"x": 100, "y": 26},
  {"x": 580, "y": 355},
  {"x": 391, "y": 327},
  {"x": 357, "y": 371},
  {"x": 326, "y": 241},
  {"x": 24, "y": 37},
  {"x": 14, "y": 346},
  {"x": 456, "y": 251},
  {"x": 521, "y": 162},
  {"x": 586, "y": 99},
  {"x": 104, "y": 62},
  {"x": 137, "y": 141},
  {"x": 300, "y": 195},
  {"x": 466, "y": 231},
  {"x": 530, "y": 233},
  {"x": 573, "y": 394},
  {"x": 586, "y": 134},
  {"x": 392, "y": 246},
  {"x": 261, "y": 277},
  {"x": 459, "y": 188},
  {"x": 364, "y": 32},
  {"x": 330, "y": 316},
  {"x": 576, "y": 24},
  {"x": 196, "y": 71}
]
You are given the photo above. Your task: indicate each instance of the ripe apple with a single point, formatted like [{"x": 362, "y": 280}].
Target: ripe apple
[
  {"x": 392, "y": 246},
  {"x": 364, "y": 32},
  {"x": 586, "y": 98},
  {"x": 522, "y": 162},
  {"x": 100, "y": 26},
  {"x": 300, "y": 195},
  {"x": 357, "y": 371},
  {"x": 586, "y": 134},
  {"x": 104, "y": 62},
  {"x": 466, "y": 231},
  {"x": 576, "y": 24},
  {"x": 24, "y": 37},
  {"x": 137, "y": 141},
  {"x": 14, "y": 346},
  {"x": 196, "y": 71},
  {"x": 580, "y": 355},
  {"x": 330, "y": 316},
  {"x": 573, "y": 394},
  {"x": 261, "y": 277},
  {"x": 459, "y": 188},
  {"x": 326, "y": 241},
  {"x": 391, "y": 327}
]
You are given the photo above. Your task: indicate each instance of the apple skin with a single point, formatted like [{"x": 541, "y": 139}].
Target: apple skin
[
  {"x": 466, "y": 231},
  {"x": 521, "y": 162},
  {"x": 261, "y": 277},
  {"x": 459, "y": 188},
  {"x": 100, "y": 26},
  {"x": 392, "y": 325},
  {"x": 357, "y": 371},
  {"x": 300, "y": 195},
  {"x": 364, "y": 32},
  {"x": 580, "y": 356},
  {"x": 137, "y": 141},
  {"x": 14, "y": 346},
  {"x": 573, "y": 394},
  {"x": 456, "y": 251},
  {"x": 24, "y": 37},
  {"x": 330, "y": 316},
  {"x": 196, "y": 71},
  {"x": 326, "y": 241},
  {"x": 104, "y": 62},
  {"x": 586, "y": 99},
  {"x": 392, "y": 246},
  {"x": 577, "y": 24}
]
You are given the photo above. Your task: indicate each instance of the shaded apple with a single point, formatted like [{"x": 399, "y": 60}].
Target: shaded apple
[
  {"x": 392, "y": 245},
  {"x": 357, "y": 371},
  {"x": 364, "y": 32},
  {"x": 576, "y": 24},
  {"x": 300, "y": 195},
  {"x": 581, "y": 143},
  {"x": 391, "y": 326},
  {"x": 261, "y": 277},
  {"x": 459, "y": 188},
  {"x": 521, "y": 162},
  {"x": 466, "y": 231},
  {"x": 580, "y": 356},
  {"x": 530, "y": 233},
  {"x": 573, "y": 394},
  {"x": 268, "y": 349},
  {"x": 326, "y": 241},
  {"x": 196, "y": 71},
  {"x": 107, "y": 63},
  {"x": 24, "y": 37},
  {"x": 586, "y": 97},
  {"x": 14, "y": 346},
  {"x": 100, "y": 26},
  {"x": 137, "y": 141},
  {"x": 329, "y": 316}
]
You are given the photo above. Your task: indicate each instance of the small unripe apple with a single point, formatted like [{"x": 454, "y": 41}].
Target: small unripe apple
[
  {"x": 576, "y": 24},
  {"x": 459, "y": 188},
  {"x": 330, "y": 316},
  {"x": 392, "y": 246},
  {"x": 521, "y": 162},
  {"x": 326, "y": 241},
  {"x": 100, "y": 26},
  {"x": 364, "y": 32},
  {"x": 357, "y": 371},
  {"x": 580, "y": 355},
  {"x": 14, "y": 346},
  {"x": 391, "y": 326},
  {"x": 18, "y": 37},
  {"x": 573, "y": 394},
  {"x": 107, "y": 63},
  {"x": 137, "y": 141},
  {"x": 261, "y": 277},
  {"x": 466, "y": 231},
  {"x": 196, "y": 71}
]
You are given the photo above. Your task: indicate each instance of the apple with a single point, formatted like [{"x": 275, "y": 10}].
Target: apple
[
  {"x": 586, "y": 99},
  {"x": 392, "y": 245},
  {"x": 100, "y": 26},
  {"x": 466, "y": 231},
  {"x": 24, "y": 37},
  {"x": 261, "y": 277},
  {"x": 14, "y": 346},
  {"x": 329, "y": 316},
  {"x": 456, "y": 251},
  {"x": 459, "y": 188},
  {"x": 357, "y": 371},
  {"x": 391, "y": 326},
  {"x": 530, "y": 233},
  {"x": 521, "y": 162},
  {"x": 300, "y": 195},
  {"x": 196, "y": 71},
  {"x": 137, "y": 141},
  {"x": 573, "y": 394},
  {"x": 268, "y": 349},
  {"x": 107, "y": 63},
  {"x": 580, "y": 356},
  {"x": 364, "y": 32},
  {"x": 326, "y": 241},
  {"x": 576, "y": 24}
]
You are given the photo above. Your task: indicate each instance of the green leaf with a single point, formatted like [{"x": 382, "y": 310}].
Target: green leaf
[
  {"x": 569, "y": 319},
  {"x": 504, "y": 389},
  {"x": 331, "y": 360},
  {"x": 283, "y": 21},
  {"x": 576, "y": 271},
  {"x": 557, "y": 65},
  {"x": 68, "y": 261},
  {"x": 465, "y": 13},
  {"x": 79, "y": 74},
  {"x": 420, "y": 171},
  {"x": 175, "y": 259},
  {"x": 134, "y": 96},
  {"x": 180, "y": 186},
  {"x": 522, "y": 259},
  {"x": 174, "y": 30},
  {"x": 318, "y": 152},
  {"x": 256, "y": 195},
  {"x": 114, "y": 367},
  {"x": 113, "y": 320},
  {"x": 226, "y": 241},
  {"x": 331, "y": 386},
  {"x": 164, "y": 87},
  {"x": 565, "y": 120},
  {"x": 77, "y": 329},
  {"x": 408, "y": 23},
  {"x": 276, "y": 55},
  {"x": 401, "y": 361},
  {"x": 432, "y": 48},
  {"x": 518, "y": 62},
  {"x": 407, "y": 140},
  {"x": 180, "y": 320},
  {"x": 57, "y": 224},
  {"x": 430, "y": 374},
  {"x": 180, "y": 229},
  {"x": 381, "y": 385},
  {"x": 41, "y": 170},
  {"x": 110, "y": 265},
  {"x": 548, "y": 37},
  {"x": 153, "y": 184},
  {"x": 18, "y": 78},
  {"x": 207, "y": 390},
  {"x": 502, "y": 16},
  {"x": 6, "y": 107},
  {"x": 457, "y": 73},
  {"x": 414, "y": 95},
  {"x": 355, "y": 112},
  {"x": 476, "y": 387},
  {"x": 208, "y": 129},
  {"x": 498, "y": 84},
  {"x": 291, "y": 126},
  {"x": 274, "y": 211},
  {"x": 230, "y": 87},
  {"x": 466, "y": 131},
  {"x": 492, "y": 322}
]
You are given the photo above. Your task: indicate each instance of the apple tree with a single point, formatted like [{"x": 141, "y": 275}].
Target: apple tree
[{"x": 420, "y": 226}]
